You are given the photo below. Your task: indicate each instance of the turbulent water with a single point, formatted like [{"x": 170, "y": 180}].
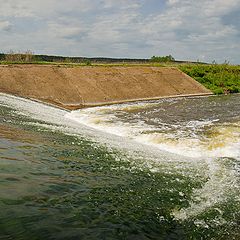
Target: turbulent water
[{"x": 166, "y": 169}]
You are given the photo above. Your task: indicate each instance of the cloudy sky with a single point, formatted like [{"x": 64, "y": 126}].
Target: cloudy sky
[{"x": 188, "y": 29}]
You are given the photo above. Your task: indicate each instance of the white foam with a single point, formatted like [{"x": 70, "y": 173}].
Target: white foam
[
  {"x": 100, "y": 125},
  {"x": 177, "y": 142},
  {"x": 68, "y": 123},
  {"x": 224, "y": 142},
  {"x": 222, "y": 187}
]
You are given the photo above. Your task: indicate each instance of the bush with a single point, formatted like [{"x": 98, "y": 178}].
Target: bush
[
  {"x": 218, "y": 78},
  {"x": 87, "y": 62},
  {"x": 12, "y": 56},
  {"x": 168, "y": 58},
  {"x": 218, "y": 91}
]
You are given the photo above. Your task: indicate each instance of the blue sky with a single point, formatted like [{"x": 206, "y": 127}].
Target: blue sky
[{"x": 204, "y": 30}]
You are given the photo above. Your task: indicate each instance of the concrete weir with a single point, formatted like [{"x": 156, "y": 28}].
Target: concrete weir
[{"x": 78, "y": 87}]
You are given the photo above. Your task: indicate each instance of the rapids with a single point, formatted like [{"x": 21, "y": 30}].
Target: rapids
[{"x": 165, "y": 169}]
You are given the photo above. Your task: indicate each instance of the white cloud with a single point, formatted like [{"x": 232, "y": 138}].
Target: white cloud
[
  {"x": 12, "y": 8},
  {"x": 187, "y": 29},
  {"x": 219, "y": 7},
  {"x": 42, "y": 8},
  {"x": 5, "y": 25},
  {"x": 121, "y": 4},
  {"x": 63, "y": 30},
  {"x": 172, "y": 2},
  {"x": 190, "y": 24}
]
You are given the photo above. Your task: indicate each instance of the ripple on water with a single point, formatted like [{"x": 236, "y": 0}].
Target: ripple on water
[{"x": 69, "y": 186}]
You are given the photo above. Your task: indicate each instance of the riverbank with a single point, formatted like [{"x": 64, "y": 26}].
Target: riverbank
[
  {"x": 220, "y": 79},
  {"x": 78, "y": 87}
]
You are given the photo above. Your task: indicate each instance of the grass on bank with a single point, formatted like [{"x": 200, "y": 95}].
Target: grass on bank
[
  {"x": 220, "y": 79},
  {"x": 93, "y": 64}
]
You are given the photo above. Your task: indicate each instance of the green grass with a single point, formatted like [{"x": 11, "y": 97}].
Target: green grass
[
  {"x": 87, "y": 63},
  {"x": 218, "y": 78}
]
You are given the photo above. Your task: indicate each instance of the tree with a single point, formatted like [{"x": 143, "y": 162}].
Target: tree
[
  {"x": 12, "y": 56},
  {"x": 168, "y": 58}
]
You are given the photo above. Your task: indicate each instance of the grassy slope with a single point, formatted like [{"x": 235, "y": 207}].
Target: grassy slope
[{"x": 218, "y": 78}]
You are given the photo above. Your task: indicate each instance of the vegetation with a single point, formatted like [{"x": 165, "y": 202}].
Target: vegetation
[
  {"x": 18, "y": 57},
  {"x": 25, "y": 57},
  {"x": 221, "y": 79},
  {"x": 168, "y": 58},
  {"x": 88, "y": 63}
]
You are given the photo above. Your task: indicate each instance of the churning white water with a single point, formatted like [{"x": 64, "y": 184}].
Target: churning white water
[
  {"x": 197, "y": 128},
  {"x": 195, "y": 137},
  {"x": 211, "y": 134}
]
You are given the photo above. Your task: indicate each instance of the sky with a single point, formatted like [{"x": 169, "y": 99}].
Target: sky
[{"x": 204, "y": 30}]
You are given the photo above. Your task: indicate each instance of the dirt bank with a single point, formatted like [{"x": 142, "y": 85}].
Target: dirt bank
[{"x": 76, "y": 87}]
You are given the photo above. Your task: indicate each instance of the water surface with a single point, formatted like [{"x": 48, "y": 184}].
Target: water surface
[{"x": 166, "y": 169}]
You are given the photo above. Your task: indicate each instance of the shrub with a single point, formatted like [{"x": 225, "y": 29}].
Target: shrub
[
  {"x": 168, "y": 58},
  {"x": 218, "y": 78},
  {"x": 87, "y": 62},
  {"x": 12, "y": 56}
]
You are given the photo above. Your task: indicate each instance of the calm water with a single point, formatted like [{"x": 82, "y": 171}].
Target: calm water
[{"x": 167, "y": 169}]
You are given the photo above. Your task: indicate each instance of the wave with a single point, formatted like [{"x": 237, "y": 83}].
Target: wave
[
  {"x": 192, "y": 149},
  {"x": 195, "y": 139}
]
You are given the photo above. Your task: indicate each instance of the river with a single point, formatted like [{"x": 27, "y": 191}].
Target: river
[{"x": 164, "y": 169}]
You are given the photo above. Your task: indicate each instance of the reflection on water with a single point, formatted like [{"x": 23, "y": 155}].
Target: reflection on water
[{"x": 58, "y": 184}]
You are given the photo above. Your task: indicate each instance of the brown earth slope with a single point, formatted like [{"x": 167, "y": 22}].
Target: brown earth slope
[{"x": 76, "y": 87}]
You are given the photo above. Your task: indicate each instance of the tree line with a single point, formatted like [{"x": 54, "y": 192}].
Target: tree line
[{"x": 29, "y": 57}]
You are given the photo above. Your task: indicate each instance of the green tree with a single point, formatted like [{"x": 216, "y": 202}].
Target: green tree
[{"x": 168, "y": 58}]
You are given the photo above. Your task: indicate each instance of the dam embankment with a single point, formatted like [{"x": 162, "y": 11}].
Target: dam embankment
[{"x": 77, "y": 87}]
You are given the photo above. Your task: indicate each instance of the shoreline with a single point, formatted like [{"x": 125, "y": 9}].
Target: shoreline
[
  {"x": 69, "y": 108},
  {"x": 89, "y": 105}
]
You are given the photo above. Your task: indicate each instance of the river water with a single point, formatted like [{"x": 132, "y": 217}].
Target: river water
[{"x": 165, "y": 169}]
